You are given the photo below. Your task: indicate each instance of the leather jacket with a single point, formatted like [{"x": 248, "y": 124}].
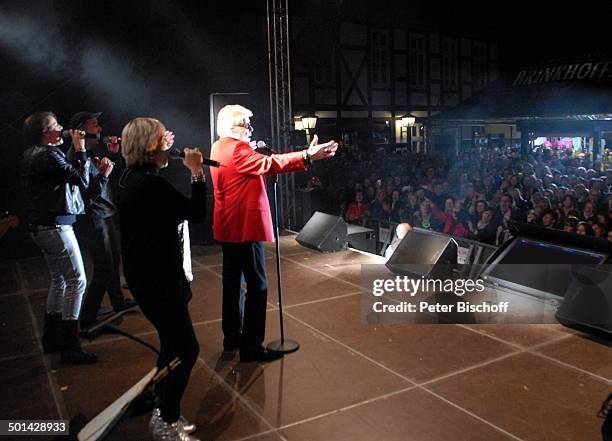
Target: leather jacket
[
  {"x": 97, "y": 198},
  {"x": 51, "y": 184}
]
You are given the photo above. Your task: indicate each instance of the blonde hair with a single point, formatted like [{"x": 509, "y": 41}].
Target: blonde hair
[
  {"x": 230, "y": 116},
  {"x": 140, "y": 138}
]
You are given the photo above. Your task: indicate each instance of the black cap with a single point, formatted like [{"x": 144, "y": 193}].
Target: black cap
[{"x": 78, "y": 119}]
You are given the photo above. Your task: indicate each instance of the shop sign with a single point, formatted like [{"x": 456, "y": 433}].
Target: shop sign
[{"x": 601, "y": 70}]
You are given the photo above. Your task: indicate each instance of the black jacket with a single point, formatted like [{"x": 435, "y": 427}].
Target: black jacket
[
  {"x": 51, "y": 184},
  {"x": 150, "y": 210},
  {"x": 98, "y": 202}
]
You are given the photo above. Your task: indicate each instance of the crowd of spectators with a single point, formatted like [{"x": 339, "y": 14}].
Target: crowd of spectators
[{"x": 474, "y": 195}]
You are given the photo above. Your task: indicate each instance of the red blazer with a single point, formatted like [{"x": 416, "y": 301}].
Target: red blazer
[{"x": 242, "y": 211}]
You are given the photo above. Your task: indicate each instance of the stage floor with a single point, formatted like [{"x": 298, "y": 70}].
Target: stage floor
[{"x": 349, "y": 381}]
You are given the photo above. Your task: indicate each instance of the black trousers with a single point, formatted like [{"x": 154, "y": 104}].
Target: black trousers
[
  {"x": 246, "y": 260},
  {"x": 98, "y": 238},
  {"x": 177, "y": 339}
]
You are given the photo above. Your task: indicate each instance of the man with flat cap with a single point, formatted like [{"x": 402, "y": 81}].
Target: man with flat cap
[{"x": 95, "y": 229}]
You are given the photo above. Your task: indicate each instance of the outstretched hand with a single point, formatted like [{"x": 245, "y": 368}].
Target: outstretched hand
[{"x": 319, "y": 151}]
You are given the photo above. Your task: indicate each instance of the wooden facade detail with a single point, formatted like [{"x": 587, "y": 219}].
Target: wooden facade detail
[{"x": 367, "y": 69}]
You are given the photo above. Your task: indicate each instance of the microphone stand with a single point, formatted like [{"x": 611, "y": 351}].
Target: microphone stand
[{"x": 282, "y": 345}]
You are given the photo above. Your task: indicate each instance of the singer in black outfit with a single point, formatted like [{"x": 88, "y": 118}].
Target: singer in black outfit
[
  {"x": 96, "y": 230},
  {"x": 51, "y": 185},
  {"x": 150, "y": 211}
]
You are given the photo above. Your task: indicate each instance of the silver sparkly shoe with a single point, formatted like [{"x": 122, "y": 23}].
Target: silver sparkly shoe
[
  {"x": 186, "y": 426},
  {"x": 162, "y": 431},
  {"x": 154, "y": 417}
]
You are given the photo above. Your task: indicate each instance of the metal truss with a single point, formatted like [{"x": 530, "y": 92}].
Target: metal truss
[{"x": 281, "y": 117}]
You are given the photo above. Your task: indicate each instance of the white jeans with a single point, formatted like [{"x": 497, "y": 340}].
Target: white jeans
[{"x": 63, "y": 256}]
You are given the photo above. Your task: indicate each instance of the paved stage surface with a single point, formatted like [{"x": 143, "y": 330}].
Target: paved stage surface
[{"x": 349, "y": 381}]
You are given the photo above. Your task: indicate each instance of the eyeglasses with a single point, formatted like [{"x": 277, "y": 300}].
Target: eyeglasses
[{"x": 247, "y": 126}]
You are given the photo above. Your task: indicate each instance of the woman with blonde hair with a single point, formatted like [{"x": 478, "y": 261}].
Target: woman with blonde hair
[{"x": 150, "y": 211}]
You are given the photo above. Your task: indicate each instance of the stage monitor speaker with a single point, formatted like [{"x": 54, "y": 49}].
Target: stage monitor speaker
[
  {"x": 560, "y": 237},
  {"x": 361, "y": 238},
  {"x": 324, "y": 232},
  {"x": 424, "y": 254},
  {"x": 587, "y": 304}
]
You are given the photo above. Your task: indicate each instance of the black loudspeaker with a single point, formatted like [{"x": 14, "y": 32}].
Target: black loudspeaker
[
  {"x": 587, "y": 304},
  {"x": 324, "y": 232},
  {"x": 560, "y": 237},
  {"x": 361, "y": 238},
  {"x": 423, "y": 253},
  {"x": 303, "y": 200},
  {"x": 308, "y": 201}
]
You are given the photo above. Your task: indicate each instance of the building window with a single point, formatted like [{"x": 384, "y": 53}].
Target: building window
[
  {"x": 479, "y": 70},
  {"x": 380, "y": 59},
  {"x": 417, "y": 60},
  {"x": 449, "y": 64}
]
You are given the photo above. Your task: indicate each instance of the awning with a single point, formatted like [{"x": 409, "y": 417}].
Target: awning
[{"x": 513, "y": 98}]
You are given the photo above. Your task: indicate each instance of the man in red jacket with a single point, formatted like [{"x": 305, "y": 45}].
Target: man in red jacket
[{"x": 242, "y": 222}]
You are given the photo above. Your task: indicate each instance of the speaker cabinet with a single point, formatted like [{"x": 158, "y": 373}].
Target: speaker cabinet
[
  {"x": 361, "y": 238},
  {"x": 587, "y": 305},
  {"x": 324, "y": 232},
  {"x": 423, "y": 253}
]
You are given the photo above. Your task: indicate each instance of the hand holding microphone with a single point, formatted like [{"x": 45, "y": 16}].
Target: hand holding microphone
[
  {"x": 193, "y": 161},
  {"x": 113, "y": 143},
  {"x": 78, "y": 139},
  {"x": 104, "y": 166}
]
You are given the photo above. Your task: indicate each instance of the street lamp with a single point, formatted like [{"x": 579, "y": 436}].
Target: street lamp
[
  {"x": 309, "y": 122},
  {"x": 407, "y": 122}
]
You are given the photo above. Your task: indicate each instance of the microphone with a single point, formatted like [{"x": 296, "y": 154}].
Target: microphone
[
  {"x": 175, "y": 153},
  {"x": 66, "y": 134},
  {"x": 105, "y": 139},
  {"x": 262, "y": 148}
]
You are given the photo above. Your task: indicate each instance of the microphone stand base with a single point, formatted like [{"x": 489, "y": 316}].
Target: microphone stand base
[{"x": 285, "y": 347}]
